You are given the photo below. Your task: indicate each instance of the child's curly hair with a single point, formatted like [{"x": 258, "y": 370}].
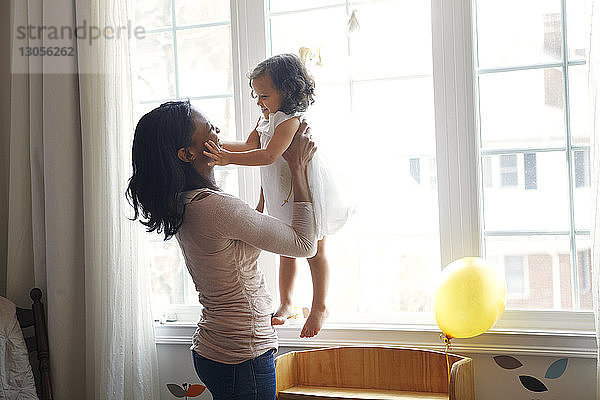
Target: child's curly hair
[{"x": 290, "y": 78}]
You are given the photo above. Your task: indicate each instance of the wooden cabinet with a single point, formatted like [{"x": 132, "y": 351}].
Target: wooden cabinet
[{"x": 373, "y": 373}]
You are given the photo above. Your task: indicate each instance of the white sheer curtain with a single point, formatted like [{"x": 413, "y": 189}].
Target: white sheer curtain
[
  {"x": 71, "y": 124},
  {"x": 119, "y": 326},
  {"x": 594, "y": 97}
]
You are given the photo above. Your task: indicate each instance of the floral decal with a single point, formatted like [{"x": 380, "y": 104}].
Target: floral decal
[
  {"x": 185, "y": 390},
  {"x": 531, "y": 383}
]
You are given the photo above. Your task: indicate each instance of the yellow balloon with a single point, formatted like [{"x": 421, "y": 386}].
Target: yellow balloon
[{"x": 470, "y": 297}]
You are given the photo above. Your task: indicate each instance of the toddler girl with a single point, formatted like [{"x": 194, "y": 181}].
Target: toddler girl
[{"x": 284, "y": 90}]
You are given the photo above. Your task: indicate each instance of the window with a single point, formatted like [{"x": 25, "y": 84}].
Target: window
[
  {"x": 383, "y": 261},
  {"x": 183, "y": 38},
  {"x": 530, "y": 92},
  {"x": 375, "y": 88}
]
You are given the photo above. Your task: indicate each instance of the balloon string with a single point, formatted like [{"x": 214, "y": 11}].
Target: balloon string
[
  {"x": 288, "y": 197},
  {"x": 448, "y": 344}
]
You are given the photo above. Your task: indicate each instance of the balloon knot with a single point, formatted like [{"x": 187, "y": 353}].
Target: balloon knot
[{"x": 447, "y": 341}]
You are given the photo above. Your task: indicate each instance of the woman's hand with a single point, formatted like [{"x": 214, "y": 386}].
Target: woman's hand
[
  {"x": 298, "y": 154},
  {"x": 302, "y": 148},
  {"x": 217, "y": 153}
]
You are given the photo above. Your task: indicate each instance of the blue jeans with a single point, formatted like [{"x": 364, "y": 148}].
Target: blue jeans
[{"x": 251, "y": 380}]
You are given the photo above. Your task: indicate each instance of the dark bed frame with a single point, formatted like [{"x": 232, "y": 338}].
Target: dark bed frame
[{"x": 35, "y": 317}]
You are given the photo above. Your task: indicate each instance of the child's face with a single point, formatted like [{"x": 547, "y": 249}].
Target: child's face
[{"x": 267, "y": 96}]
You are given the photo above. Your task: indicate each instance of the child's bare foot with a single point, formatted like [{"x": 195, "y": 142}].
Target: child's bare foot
[
  {"x": 284, "y": 313},
  {"x": 314, "y": 322}
]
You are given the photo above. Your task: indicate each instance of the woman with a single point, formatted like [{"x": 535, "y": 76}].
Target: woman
[{"x": 174, "y": 190}]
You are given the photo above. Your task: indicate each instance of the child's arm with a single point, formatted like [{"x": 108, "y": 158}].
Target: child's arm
[
  {"x": 251, "y": 143},
  {"x": 282, "y": 137}
]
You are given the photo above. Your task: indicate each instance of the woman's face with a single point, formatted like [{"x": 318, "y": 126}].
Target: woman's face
[
  {"x": 203, "y": 132},
  {"x": 267, "y": 96}
]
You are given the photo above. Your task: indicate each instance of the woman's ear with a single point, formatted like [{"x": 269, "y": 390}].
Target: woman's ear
[{"x": 184, "y": 155}]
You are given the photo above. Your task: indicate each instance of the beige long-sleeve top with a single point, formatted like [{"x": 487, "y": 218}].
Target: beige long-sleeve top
[{"x": 221, "y": 238}]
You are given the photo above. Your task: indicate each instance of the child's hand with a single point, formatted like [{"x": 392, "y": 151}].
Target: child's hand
[{"x": 219, "y": 155}]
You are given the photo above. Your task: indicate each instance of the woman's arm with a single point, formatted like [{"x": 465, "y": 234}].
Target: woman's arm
[
  {"x": 239, "y": 221},
  {"x": 268, "y": 233},
  {"x": 282, "y": 137}
]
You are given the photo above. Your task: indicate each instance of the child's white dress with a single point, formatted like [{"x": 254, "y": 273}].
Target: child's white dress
[{"x": 332, "y": 202}]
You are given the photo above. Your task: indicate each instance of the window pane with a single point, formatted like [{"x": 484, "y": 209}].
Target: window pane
[
  {"x": 512, "y": 207},
  {"x": 516, "y": 32},
  {"x": 582, "y": 195},
  {"x": 384, "y": 260},
  {"x": 331, "y": 99},
  {"x": 276, "y": 6},
  {"x": 152, "y": 14},
  {"x": 537, "y": 270},
  {"x": 155, "y": 58},
  {"x": 192, "y": 12},
  {"x": 204, "y": 57},
  {"x": 400, "y": 266},
  {"x": 372, "y": 56},
  {"x": 576, "y": 27},
  {"x": 579, "y": 105},
  {"x": 584, "y": 271},
  {"x": 402, "y": 124},
  {"x": 522, "y": 109},
  {"x": 221, "y": 113},
  {"x": 323, "y": 29},
  {"x": 168, "y": 269},
  {"x": 527, "y": 109},
  {"x": 227, "y": 179}
]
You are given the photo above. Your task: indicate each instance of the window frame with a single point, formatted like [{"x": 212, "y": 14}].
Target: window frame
[{"x": 459, "y": 174}]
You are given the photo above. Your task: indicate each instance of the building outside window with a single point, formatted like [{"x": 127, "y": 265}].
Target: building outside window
[
  {"x": 581, "y": 160},
  {"x": 415, "y": 169},
  {"x": 530, "y": 166},
  {"x": 515, "y": 274},
  {"x": 509, "y": 174}
]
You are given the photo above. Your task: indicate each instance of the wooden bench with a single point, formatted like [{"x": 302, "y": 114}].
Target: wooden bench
[{"x": 373, "y": 373}]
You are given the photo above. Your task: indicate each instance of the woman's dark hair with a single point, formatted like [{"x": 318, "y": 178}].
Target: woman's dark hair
[
  {"x": 290, "y": 78},
  {"x": 158, "y": 174}
]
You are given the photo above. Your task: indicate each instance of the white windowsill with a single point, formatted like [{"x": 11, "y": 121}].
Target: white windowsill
[{"x": 533, "y": 339}]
